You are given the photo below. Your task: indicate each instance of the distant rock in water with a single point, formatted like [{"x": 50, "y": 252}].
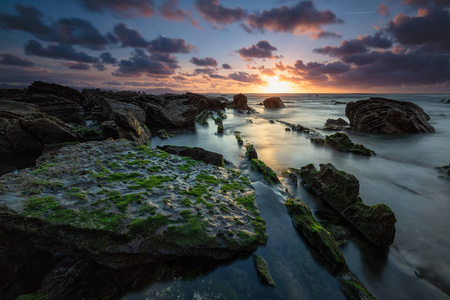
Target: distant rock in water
[
  {"x": 39, "y": 87},
  {"x": 336, "y": 122},
  {"x": 341, "y": 142},
  {"x": 240, "y": 102},
  {"x": 201, "y": 102},
  {"x": 273, "y": 102},
  {"x": 380, "y": 115}
]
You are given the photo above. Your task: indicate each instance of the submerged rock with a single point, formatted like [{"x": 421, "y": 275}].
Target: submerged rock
[
  {"x": 196, "y": 153},
  {"x": 122, "y": 205},
  {"x": 380, "y": 115},
  {"x": 250, "y": 152},
  {"x": 262, "y": 269},
  {"x": 335, "y": 124},
  {"x": 341, "y": 191},
  {"x": 266, "y": 171},
  {"x": 341, "y": 142},
  {"x": 273, "y": 102}
]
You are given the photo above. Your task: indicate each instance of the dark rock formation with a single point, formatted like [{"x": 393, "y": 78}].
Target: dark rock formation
[
  {"x": 262, "y": 269},
  {"x": 341, "y": 191},
  {"x": 125, "y": 126},
  {"x": 266, "y": 171},
  {"x": 341, "y": 142},
  {"x": 170, "y": 113},
  {"x": 336, "y": 122},
  {"x": 201, "y": 102},
  {"x": 196, "y": 153},
  {"x": 250, "y": 152},
  {"x": 39, "y": 87},
  {"x": 273, "y": 102},
  {"x": 240, "y": 102},
  {"x": 220, "y": 129},
  {"x": 10, "y": 93},
  {"x": 202, "y": 118},
  {"x": 380, "y": 115},
  {"x": 55, "y": 106},
  {"x": 106, "y": 110}
]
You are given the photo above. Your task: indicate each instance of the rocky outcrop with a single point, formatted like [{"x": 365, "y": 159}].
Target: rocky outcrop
[
  {"x": 273, "y": 102},
  {"x": 269, "y": 175},
  {"x": 335, "y": 124},
  {"x": 240, "y": 102},
  {"x": 55, "y": 106},
  {"x": 196, "y": 153},
  {"x": 341, "y": 191},
  {"x": 380, "y": 115},
  {"x": 106, "y": 110},
  {"x": 341, "y": 142},
  {"x": 39, "y": 87},
  {"x": 121, "y": 205},
  {"x": 125, "y": 126},
  {"x": 170, "y": 113},
  {"x": 201, "y": 102},
  {"x": 10, "y": 93},
  {"x": 24, "y": 129}
]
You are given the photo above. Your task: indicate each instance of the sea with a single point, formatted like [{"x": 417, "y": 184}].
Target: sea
[{"x": 402, "y": 175}]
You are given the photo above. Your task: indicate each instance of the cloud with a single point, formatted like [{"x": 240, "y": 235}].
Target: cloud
[
  {"x": 140, "y": 64},
  {"x": 70, "y": 31},
  {"x": 204, "y": 62},
  {"x": 115, "y": 83},
  {"x": 247, "y": 78},
  {"x": 326, "y": 34},
  {"x": 316, "y": 68},
  {"x": 169, "y": 45},
  {"x": 212, "y": 11},
  {"x": 129, "y": 37},
  {"x": 429, "y": 30},
  {"x": 14, "y": 60},
  {"x": 78, "y": 66},
  {"x": 383, "y": 10},
  {"x": 107, "y": 58},
  {"x": 207, "y": 71},
  {"x": 217, "y": 76},
  {"x": 424, "y": 3},
  {"x": 263, "y": 49},
  {"x": 170, "y": 11},
  {"x": 227, "y": 66},
  {"x": 178, "y": 77},
  {"x": 58, "y": 52},
  {"x": 268, "y": 72},
  {"x": 298, "y": 19},
  {"x": 121, "y": 8},
  {"x": 100, "y": 67}
]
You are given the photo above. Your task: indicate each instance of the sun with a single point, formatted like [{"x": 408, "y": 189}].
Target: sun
[{"x": 276, "y": 86}]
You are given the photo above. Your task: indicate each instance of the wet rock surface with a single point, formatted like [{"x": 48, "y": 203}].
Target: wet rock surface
[
  {"x": 380, "y": 115},
  {"x": 341, "y": 142},
  {"x": 196, "y": 153},
  {"x": 273, "y": 102},
  {"x": 240, "y": 102}
]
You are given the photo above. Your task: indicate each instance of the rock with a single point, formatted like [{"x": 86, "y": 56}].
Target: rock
[
  {"x": 39, "y": 87},
  {"x": 240, "y": 102},
  {"x": 202, "y": 118},
  {"x": 106, "y": 110},
  {"x": 318, "y": 141},
  {"x": 336, "y": 122},
  {"x": 262, "y": 269},
  {"x": 341, "y": 191},
  {"x": 287, "y": 129},
  {"x": 239, "y": 138},
  {"x": 10, "y": 93},
  {"x": 341, "y": 142},
  {"x": 55, "y": 106},
  {"x": 125, "y": 126},
  {"x": 162, "y": 133},
  {"x": 170, "y": 113},
  {"x": 266, "y": 171},
  {"x": 201, "y": 102},
  {"x": 380, "y": 115},
  {"x": 196, "y": 153},
  {"x": 338, "y": 102},
  {"x": 121, "y": 205},
  {"x": 220, "y": 129},
  {"x": 272, "y": 122},
  {"x": 317, "y": 236},
  {"x": 273, "y": 102},
  {"x": 250, "y": 152}
]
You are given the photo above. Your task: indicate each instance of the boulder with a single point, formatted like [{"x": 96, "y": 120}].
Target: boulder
[
  {"x": 240, "y": 102},
  {"x": 196, "y": 153},
  {"x": 341, "y": 142},
  {"x": 170, "y": 113},
  {"x": 106, "y": 109},
  {"x": 380, "y": 115},
  {"x": 121, "y": 205},
  {"x": 273, "y": 102},
  {"x": 125, "y": 126},
  {"x": 341, "y": 191},
  {"x": 201, "y": 102},
  {"x": 39, "y": 87}
]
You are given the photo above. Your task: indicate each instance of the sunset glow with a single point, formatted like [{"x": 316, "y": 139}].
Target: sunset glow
[{"x": 276, "y": 86}]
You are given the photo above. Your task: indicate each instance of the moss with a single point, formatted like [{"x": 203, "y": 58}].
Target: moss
[
  {"x": 224, "y": 208},
  {"x": 341, "y": 142},
  {"x": 96, "y": 219},
  {"x": 114, "y": 166},
  {"x": 150, "y": 182},
  {"x": 186, "y": 202},
  {"x": 248, "y": 202},
  {"x": 245, "y": 180},
  {"x": 234, "y": 186},
  {"x": 221, "y": 114},
  {"x": 148, "y": 225},
  {"x": 259, "y": 225},
  {"x": 43, "y": 168},
  {"x": 208, "y": 179},
  {"x": 35, "y": 296},
  {"x": 78, "y": 196},
  {"x": 354, "y": 289},
  {"x": 268, "y": 173},
  {"x": 250, "y": 152},
  {"x": 116, "y": 177},
  {"x": 192, "y": 233},
  {"x": 262, "y": 269},
  {"x": 220, "y": 129},
  {"x": 139, "y": 162},
  {"x": 122, "y": 202},
  {"x": 198, "y": 190},
  {"x": 147, "y": 209},
  {"x": 163, "y": 134},
  {"x": 36, "y": 206}
]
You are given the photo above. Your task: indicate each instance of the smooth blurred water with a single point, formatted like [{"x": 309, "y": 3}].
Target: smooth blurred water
[{"x": 402, "y": 175}]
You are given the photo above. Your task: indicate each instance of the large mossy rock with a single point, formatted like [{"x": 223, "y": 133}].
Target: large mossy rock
[
  {"x": 341, "y": 191},
  {"x": 380, "y": 115},
  {"x": 341, "y": 142},
  {"x": 269, "y": 175},
  {"x": 121, "y": 204},
  {"x": 196, "y": 153}
]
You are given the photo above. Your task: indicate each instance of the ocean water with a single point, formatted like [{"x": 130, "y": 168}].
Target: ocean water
[{"x": 403, "y": 175}]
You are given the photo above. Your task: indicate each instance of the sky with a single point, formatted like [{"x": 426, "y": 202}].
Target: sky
[{"x": 228, "y": 46}]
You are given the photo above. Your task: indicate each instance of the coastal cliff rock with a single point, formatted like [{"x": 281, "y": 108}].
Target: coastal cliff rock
[
  {"x": 273, "y": 102},
  {"x": 341, "y": 191},
  {"x": 196, "y": 153},
  {"x": 170, "y": 113},
  {"x": 39, "y": 87},
  {"x": 380, "y": 115},
  {"x": 121, "y": 205},
  {"x": 240, "y": 102},
  {"x": 106, "y": 109},
  {"x": 125, "y": 126},
  {"x": 201, "y": 102}
]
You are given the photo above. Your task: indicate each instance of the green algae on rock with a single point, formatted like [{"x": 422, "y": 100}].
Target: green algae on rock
[
  {"x": 266, "y": 171},
  {"x": 123, "y": 204},
  {"x": 341, "y": 142},
  {"x": 262, "y": 269},
  {"x": 250, "y": 152}
]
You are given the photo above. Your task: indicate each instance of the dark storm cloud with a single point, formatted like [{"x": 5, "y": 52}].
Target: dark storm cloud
[
  {"x": 121, "y": 8},
  {"x": 327, "y": 34},
  {"x": 212, "y": 11},
  {"x": 207, "y": 71},
  {"x": 72, "y": 31},
  {"x": 129, "y": 37},
  {"x": 423, "y": 3},
  {"x": 430, "y": 30},
  {"x": 58, "y": 52},
  {"x": 247, "y": 78},
  {"x": 316, "y": 68},
  {"x": 107, "y": 58},
  {"x": 100, "y": 67},
  {"x": 227, "y": 66},
  {"x": 140, "y": 64},
  {"x": 78, "y": 66},
  {"x": 204, "y": 62},
  {"x": 116, "y": 83},
  {"x": 217, "y": 76},
  {"x": 14, "y": 60},
  {"x": 168, "y": 45},
  {"x": 263, "y": 49},
  {"x": 300, "y": 18},
  {"x": 171, "y": 11}
]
